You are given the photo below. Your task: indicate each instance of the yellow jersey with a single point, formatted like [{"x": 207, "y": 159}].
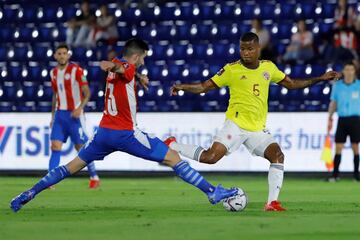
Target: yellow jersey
[{"x": 249, "y": 90}]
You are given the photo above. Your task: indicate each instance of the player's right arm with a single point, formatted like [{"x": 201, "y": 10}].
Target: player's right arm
[
  {"x": 196, "y": 88},
  {"x": 125, "y": 69},
  {"x": 220, "y": 79}
]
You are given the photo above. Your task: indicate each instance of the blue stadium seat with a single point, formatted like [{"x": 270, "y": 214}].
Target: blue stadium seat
[
  {"x": 30, "y": 90},
  {"x": 9, "y": 14},
  {"x": 30, "y": 14},
  {"x": 308, "y": 10},
  {"x": 20, "y": 53},
  {"x": 96, "y": 74},
  {"x": 287, "y": 10},
  {"x": 78, "y": 54},
  {"x": 267, "y": 11},
  {"x": 9, "y": 89},
  {"x": 50, "y": 15},
  {"x": 34, "y": 73},
  {"x": 43, "y": 106},
  {"x": 3, "y": 53},
  {"x": 328, "y": 10},
  {"x": 6, "y": 34},
  {"x": 6, "y": 106}
]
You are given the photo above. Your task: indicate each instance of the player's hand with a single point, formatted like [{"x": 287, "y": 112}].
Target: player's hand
[
  {"x": 77, "y": 112},
  {"x": 331, "y": 75},
  {"x": 144, "y": 81},
  {"x": 106, "y": 65},
  {"x": 174, "y": 89}
]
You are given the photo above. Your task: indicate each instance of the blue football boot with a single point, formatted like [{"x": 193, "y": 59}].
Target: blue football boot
[
  {"x": 19, "y": 201},
  {"x": 221, "y": 193}
]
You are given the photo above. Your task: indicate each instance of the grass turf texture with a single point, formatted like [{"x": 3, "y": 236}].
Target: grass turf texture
[{"x": 167, "y": 208}]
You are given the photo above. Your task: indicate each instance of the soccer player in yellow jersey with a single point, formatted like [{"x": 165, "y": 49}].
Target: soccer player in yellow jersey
[{"x": 248, "y": 80}]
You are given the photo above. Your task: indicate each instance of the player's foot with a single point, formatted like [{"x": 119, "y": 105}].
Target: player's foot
[
  {"x": 221, "y": 193},
  {"x": 274, "y": 206},
  {"x": 94, "y": 183},
  {"x": 333, "y": 179},
  {"x": 19, "y": 201},
  {"x": 169, "y": 141}
]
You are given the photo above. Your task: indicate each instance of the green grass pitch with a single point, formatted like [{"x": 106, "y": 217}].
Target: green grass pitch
[{"x": 167, "y": 208}]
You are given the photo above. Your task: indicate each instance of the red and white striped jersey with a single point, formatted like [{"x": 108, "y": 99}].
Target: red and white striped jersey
[
  {"x": 67, "y": 85},
  {"x": 120, "y": 99}
]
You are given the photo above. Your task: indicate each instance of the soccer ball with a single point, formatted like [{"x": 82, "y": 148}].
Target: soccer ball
[{"x": 236, "y": 203}]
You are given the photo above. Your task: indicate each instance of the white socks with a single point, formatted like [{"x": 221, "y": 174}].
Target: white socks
[
  {"x": 275, "y": 179},
  {"x": 190, "y": 151}
]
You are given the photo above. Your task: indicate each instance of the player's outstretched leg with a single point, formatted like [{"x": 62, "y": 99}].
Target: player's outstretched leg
[
  {"x": 188, "y": 174},
  {"x": 275, "y": 177},
  {"x": 190, "y": 151},
  {"x": 53, "y": 177}
]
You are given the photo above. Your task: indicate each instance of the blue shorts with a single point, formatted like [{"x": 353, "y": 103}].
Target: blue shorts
[
  {"x": 136, "y": 143},
  {"x": 65, "y": 126}
]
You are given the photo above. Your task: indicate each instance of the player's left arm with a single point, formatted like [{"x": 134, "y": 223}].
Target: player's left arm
[
  {"x": 290, "y": 83},
  {"x": 81, "y": 79}
]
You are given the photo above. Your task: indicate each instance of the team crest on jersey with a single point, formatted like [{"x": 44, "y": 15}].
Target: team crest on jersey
[
  {"x": 220, "y": 72},
  {"x": 243, "y": 77},
  {"x": 67, "y": 76},
  {"x": 266, "y": 75}
]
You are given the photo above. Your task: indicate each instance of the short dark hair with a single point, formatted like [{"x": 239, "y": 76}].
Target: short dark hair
[
  {"x": 249, "y": 37},
  {"x": 62, "y": 45},
  {"x": 134, "y": 46},
  {"x": 349, "y": 64}
]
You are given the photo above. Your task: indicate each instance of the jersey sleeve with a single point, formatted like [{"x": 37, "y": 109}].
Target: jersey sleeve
[
  {"x": 129, "y": 73},
  {"x": 277, "y": 75},
  {"x": 334, "y": 93},
  {"x": 80, "y": 77},
  {"x": 222, "y": 77}
]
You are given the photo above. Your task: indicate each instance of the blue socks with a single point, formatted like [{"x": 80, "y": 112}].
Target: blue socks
[
  {"x": 54, "y": 159},
  {"x": 92, "y": 170},
  {"x": 190, "y": 175},
  {"x": 53, "y": 177}
]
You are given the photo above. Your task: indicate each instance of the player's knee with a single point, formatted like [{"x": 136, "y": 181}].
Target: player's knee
[
  {"x": 55, "y": 146},
  {"x": 172, "y": 157},
  {"x": 279, "y": 157},
  {"x": 209, "y": 157},
  {"x": 78, "y": 147}
]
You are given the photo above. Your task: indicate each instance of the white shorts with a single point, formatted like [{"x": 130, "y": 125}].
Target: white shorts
[{"x": 232, "y": 136}]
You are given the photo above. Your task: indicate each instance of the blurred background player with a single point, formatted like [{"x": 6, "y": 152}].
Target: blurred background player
[
  {"x": 248, "y": 80},
  {"x": 345, "y": 100},
  {"x": 118, "y": 132},
  {"x": 71, "y": 94}
]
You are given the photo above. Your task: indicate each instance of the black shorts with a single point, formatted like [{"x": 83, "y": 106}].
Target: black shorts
[{"x": 348, "y": 126}]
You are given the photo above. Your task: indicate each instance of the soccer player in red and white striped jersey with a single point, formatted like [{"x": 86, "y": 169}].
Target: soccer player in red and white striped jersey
[{"x": 71, "y": 94}]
